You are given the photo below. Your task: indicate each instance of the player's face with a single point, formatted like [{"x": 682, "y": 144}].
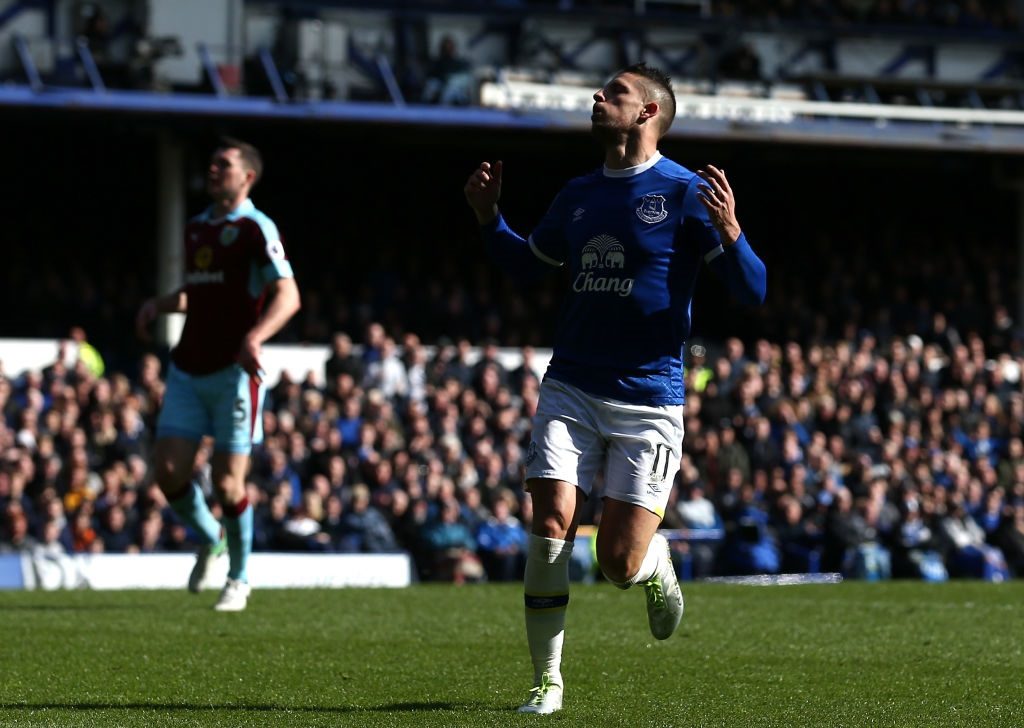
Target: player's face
[
  {"x": 617, "y": 106},
  {"x": 227, "y": 174}
]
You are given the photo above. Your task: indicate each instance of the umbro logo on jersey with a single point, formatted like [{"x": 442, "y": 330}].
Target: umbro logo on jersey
[
  {"x": 577, "y": 214},
  {"x": 652, "y": 209}
]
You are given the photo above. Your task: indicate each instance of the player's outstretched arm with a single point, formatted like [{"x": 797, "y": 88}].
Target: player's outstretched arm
[
  {"x": 285, "y": 302},
  {"x": 517, "y": 256},
  {"x": 743, "y": 272},
  {"x": 176, "y": 302},
  {"x": 483, "y": 190}
]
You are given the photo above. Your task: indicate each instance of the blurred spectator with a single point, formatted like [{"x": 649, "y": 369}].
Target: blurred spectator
[
  {"x": 87, "y": 353},
  {"x": 750, "y": 546},
  {"x": 114, "y": 532},
  {"x": 342, "y": 360},
  {"x": 698, "y": 513},
  {"x": 844, "y": 532},
  {"x": 363, "y": 529},
  {"x": 303, "y": 526},
  {"x": 739, "y": 62},
  {"x": 449, "y": 77},
  {"x": 798, "y": 535},
  {"x": 50, "y": 545},
  {"x": 86, "y": 539},
  {"x": 277, "y": 471},
  {"x": 914, "y": 553},
  {"x": 387, "y": 373},
  {"x": 16, "y": 536},
  {"x": 450, "y": 546},
  {"x": 501, "y": 541},
  {"x": 967, "y": 552},
  {"x": 1011, "y": 538},
  {"x": 151, "y": 533}
]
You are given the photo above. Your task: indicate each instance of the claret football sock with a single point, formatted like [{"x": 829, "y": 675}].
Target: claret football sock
[
  {"x": 238, "y": 526},
  {"x": 192, "y": 509},
  {"x": 546, "y": 589}
]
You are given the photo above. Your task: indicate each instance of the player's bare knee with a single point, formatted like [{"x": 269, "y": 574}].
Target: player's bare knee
[
  {"x": 615, "y": 571},
  {"x": 617, "y": 564},
  {"x": 170, "y": 478},
  {"x": 228, "y": 489},
  {"x": 554, "y": 525}
]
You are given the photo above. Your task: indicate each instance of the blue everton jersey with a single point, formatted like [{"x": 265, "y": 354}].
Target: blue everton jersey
[{"x": 633, "y": 241}]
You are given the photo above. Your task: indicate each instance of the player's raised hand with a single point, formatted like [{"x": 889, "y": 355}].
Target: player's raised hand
[
  {"x": 717, "y": 197},
  {"x": 483, "y": 189},
  {"x": 147, "y": 312},
  {"x": 249, "y": 359}
]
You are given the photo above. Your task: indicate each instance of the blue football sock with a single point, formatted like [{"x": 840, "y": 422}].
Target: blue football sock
[
  {"x": 238, "y": 525},
  {"x": 192, "y": 509}
]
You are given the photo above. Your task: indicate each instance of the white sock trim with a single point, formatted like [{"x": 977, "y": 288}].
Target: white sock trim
[
  {"x": 648, "y": 567},
  {"x": 548, "y": 550}
]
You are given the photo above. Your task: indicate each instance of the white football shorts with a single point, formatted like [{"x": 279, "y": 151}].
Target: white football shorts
[{"x": 576, "y": 435}]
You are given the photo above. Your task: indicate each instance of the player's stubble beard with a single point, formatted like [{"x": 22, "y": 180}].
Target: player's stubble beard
[
  {"x": 607, "y": 134},
  {"x": 612, "y": 136}
]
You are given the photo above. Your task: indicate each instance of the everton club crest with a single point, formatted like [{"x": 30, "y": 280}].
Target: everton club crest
[{"x": 652, "y": 209}]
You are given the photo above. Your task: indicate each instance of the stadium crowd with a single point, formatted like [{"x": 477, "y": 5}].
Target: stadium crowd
[{"x": 872, "y": 456}]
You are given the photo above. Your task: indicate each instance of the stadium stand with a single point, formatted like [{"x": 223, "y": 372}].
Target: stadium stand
[{"x": 870, "y": 456}]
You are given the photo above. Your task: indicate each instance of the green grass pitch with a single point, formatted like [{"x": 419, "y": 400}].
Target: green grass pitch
[{"x": 854, "y": 654}]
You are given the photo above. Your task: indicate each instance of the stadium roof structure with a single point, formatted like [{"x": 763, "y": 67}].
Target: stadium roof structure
[
  {"x": 774, "y": 112},
  {"x": 555, "y": 108}
]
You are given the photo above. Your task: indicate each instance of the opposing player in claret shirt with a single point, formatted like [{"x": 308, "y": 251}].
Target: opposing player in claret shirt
[
  {"x": 633, "y": 235},
  {"x": 239, "y": 291}
]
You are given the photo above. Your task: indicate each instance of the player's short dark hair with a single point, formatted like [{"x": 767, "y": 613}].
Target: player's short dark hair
[
  {"x": 250, "y": 155},
  {"x": 658, "y": 85}
]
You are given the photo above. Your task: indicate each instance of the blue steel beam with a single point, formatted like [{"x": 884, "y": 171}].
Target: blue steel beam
[
  {"x": 273, "y": 75},
  {"x": 387, "y": 75},
  {"x": 210, "y": 68},
  {"x": 142, "y": 103},
  {"x": 35, "y": 81},
  {"x": 92, "y": 71}
]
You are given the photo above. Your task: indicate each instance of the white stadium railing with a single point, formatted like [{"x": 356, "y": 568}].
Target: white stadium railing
[{"x": 796, "y": 120}]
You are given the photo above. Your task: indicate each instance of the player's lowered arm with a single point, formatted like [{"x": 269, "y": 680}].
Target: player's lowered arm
[
  {"x": 284, "y": 303},
  {"x": 174, "y": 302}
]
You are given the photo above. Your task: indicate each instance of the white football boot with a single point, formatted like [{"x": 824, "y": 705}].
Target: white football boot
[
  {"x": 234, "y": 597},
  {"x": 545, "y": 698},
  {"x": 664, "y": 597}
]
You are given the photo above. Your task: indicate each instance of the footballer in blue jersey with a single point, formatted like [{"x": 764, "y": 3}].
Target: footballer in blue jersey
[{"x": 633, "y": 235}]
